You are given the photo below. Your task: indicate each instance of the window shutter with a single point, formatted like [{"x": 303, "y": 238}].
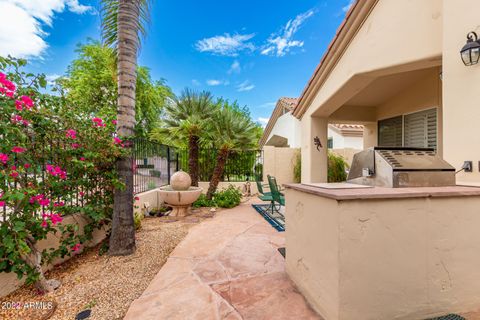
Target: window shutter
[
  {"x": 420, "y": 129},
  {"x": 390, "y": 132}
]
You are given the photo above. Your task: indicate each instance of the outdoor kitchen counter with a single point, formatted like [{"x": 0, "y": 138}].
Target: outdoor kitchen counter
[
  {"x": 366, "y": 253},
  {"x": 386, "y": 193}
]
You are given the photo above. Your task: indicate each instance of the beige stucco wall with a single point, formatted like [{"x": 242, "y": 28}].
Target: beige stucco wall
[
  {"x": 461, "y": 107},
  {"x": 384, "y": 259},
  {"x": 9, "y": 281},
  {"x": 279, "y": 162},
  {"x": 312, "y": 252}
]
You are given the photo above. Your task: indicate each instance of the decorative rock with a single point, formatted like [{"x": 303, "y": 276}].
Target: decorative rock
[
  {"x": 180, "y": 180},
  {"x": 213, "y": 210}
]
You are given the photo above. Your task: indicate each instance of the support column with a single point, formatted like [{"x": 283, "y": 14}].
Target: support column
[
  {"x": 370, "y": 135},
  {"x": 314, "y": 160}
]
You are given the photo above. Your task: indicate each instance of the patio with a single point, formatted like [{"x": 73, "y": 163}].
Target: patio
[{"x": 226, "y": 268}]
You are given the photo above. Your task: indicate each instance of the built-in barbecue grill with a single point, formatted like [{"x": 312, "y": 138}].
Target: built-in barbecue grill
[{"x": 401, "y": 168}]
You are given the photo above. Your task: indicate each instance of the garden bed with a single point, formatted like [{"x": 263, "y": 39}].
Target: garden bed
[{"x": 106, "y": 285}]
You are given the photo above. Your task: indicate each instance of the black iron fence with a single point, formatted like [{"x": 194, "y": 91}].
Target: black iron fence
[
  {"x": 154, "y": 163},
  {"x": 245, "y": 165}
]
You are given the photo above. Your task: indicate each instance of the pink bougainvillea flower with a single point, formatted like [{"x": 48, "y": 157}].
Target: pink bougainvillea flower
[
  {"x": 72, "y": 134},
  {"x": 19, "y": 105},
  {"x": 117, "y": 140},
  {"x": 76, "y": 247},
  {"x": 44, "y": 202},
  {"x": 3, "y": 158},
  {"x": 27, "y": 101},
  {"x": 114, "y": 122},
  {"x": 44, "y": 224},
  {"x": 16, "y": 118},
  {"x": 27, "y": 165},
  {"x": 9, "y": 94},
  {"x": 2, "y": 203},
  {"x": 25, "y": 123},
  {"x": 55, "y": 218},
  {"x": 18, "y": 149},
  {"x": 13, "y": 167},
  {"x": 14, "y": 174},
  {"x": 82, "y": 158},
  {"x": 137, "y": 198},
  {"x": 56, "y": 171},
  {"x": 59, "y": 204},
  {"x": 75, "y": 145},
  {"x": 81, "y": 193}
]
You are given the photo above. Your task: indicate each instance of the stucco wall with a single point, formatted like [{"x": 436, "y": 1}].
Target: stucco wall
[
  {"x": 279, "y": 162},
  {"x": 9, "y": 281},
  {"x": 461, "y": 109},
  {"x": 384, "y": 259},
  {"x": 287, "y": 126}
]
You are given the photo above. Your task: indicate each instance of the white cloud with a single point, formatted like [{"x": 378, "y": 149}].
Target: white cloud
[
  {"x": 226, "y": 45},
  {"x": 245, "y": 86},
  {"x": 51, "y": 78},
  {"x": 268, "y": 104},
  {"x": 263, "y": 121},
  {"x": 195, "y": 82},
  {"x": 348, "y": 6},
  {"x": 235, "y": 67},
  {"x": 280, "y": 43},
  {"x": 21, "y": 30},
  {"x": 215, "y": 82}
]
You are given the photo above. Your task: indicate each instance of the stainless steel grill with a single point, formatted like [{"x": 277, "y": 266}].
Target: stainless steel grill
[{"x": 401, "y": 168}]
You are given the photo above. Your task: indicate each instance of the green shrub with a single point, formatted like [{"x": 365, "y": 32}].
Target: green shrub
[
  {"x": 227, "y": 198},
  {"x": 137, "y": 219},
  {"x": 336, "y": 168},
  {"x": 297, "y": 167},
  {"x": 202, "y": 201}
]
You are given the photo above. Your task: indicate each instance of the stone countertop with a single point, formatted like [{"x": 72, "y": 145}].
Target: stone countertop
[{"x": 386, "y": 193}]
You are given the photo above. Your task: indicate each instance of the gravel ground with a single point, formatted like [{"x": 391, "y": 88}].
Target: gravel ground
[{"x": 106, "y": 285}]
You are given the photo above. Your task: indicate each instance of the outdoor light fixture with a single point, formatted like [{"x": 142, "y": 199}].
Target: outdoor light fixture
[{"x": 471, "y": 50}]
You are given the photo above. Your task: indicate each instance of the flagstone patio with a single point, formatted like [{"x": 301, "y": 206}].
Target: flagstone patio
[{"x": 226, "y": 268}]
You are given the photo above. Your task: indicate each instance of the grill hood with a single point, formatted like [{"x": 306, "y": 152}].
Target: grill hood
[{"x": 401, "y": 168}]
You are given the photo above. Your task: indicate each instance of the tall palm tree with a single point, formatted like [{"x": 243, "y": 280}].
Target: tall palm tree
[
  {"x": 123, "y": 22},
  {"x": 231, "y": 130},
  {"x": 186, "y": 120}
]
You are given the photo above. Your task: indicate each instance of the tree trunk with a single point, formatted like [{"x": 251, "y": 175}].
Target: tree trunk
[
  {"x": 217, "y": 172},
  {"x": 122, "y": 238},
  {"x": 193, "y": 159}
]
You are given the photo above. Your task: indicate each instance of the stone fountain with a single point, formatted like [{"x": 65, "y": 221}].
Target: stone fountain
[{"x": 180, "y": 194}]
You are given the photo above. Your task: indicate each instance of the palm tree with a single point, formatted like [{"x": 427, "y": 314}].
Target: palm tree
[
  {"x": 231, "y": 130},
  {"x": 122, "y": 23},
  {"x": 185, "y": 124}
]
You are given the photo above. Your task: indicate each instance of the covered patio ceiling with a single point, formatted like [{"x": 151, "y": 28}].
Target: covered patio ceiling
[{"x": 358, "y": 99}]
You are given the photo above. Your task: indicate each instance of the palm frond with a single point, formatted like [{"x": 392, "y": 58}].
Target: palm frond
[{"x": 109, "y": 13}]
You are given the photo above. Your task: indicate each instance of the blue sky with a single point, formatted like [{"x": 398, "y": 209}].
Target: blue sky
[{"x": 250, "y": 51}]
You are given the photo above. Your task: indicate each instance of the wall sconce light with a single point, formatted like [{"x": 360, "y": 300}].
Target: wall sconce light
[{"x": 471, "y": 50}]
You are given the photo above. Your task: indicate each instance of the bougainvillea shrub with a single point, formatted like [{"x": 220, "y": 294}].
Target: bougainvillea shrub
[{"x": 54, "y": 161}]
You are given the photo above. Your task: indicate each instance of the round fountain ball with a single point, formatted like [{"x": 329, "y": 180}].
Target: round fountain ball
[{"x": 180, "y": 180}]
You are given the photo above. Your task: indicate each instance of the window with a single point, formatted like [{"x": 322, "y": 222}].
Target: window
[
  {"x": 417, "y": 129},
  {"x": 330, "y": 143}
]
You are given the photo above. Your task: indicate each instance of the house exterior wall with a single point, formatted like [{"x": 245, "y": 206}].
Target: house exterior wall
[
  {"x": 287, "y": 126},
  {"x": 461, "y": 108}
]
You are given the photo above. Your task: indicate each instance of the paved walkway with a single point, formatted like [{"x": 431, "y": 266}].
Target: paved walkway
[{"x": 226, "y": 268}]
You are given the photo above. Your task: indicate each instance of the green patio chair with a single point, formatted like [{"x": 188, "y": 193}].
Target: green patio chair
[
  {"x": 260, "y": 188},
  {"x": 277, "y": 197}
]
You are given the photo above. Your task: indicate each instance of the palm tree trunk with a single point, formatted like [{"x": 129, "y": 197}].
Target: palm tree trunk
[
  {"x": 193, "y": 158},
  {"x": 122, "y": 238},
  {"x": 217, "y": 172}
]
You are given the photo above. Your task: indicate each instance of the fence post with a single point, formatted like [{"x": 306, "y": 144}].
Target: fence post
[{"x": 168, "y": 163}]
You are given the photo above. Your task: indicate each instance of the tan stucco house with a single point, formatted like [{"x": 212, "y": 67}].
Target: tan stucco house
[
  {"x": 395, "y": 67},
  {"x": 365, "y": 252},
  {"x": 284, "y": 130}
]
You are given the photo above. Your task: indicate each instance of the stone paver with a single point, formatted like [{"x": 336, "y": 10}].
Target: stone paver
[{"x": 226, "y": 268}]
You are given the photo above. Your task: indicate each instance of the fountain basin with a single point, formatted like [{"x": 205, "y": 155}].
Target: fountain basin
[{"x": 179, "y": 200}]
